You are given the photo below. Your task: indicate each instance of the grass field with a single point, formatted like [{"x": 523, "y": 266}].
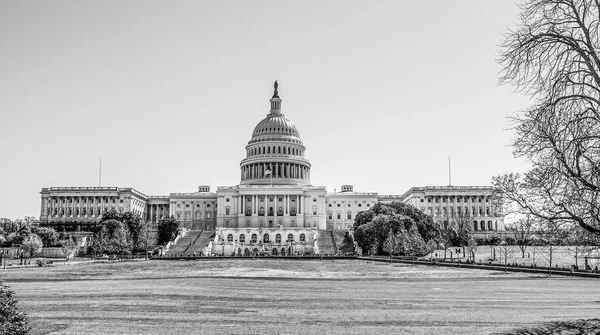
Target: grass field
[
  {"x": 292, "y": 297},
  {"x": 563, "y": 256}
]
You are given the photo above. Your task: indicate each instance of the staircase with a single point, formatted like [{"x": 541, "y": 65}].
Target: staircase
[
  {"x": 202, "y": 238},
  {"x": 325, "y": 242},
  {"x": 193, "y": 241}
]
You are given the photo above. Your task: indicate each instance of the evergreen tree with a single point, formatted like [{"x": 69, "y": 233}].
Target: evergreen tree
[{"x": 12, "y": 322}]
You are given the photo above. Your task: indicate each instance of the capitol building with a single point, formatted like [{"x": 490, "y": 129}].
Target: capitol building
[{"x": 275, "y": 206}]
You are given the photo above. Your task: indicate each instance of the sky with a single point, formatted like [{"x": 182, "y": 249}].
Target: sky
[{"x": 167, "y": 93}]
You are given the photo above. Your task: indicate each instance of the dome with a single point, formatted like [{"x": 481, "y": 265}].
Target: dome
[
  {"x": 275, "y": 125},
  {"x": 275, "y": 153}
]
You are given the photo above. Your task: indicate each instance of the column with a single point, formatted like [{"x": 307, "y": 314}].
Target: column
[
  {"x": 285, "y": 204},
  {"x": 299, "y": 204}
]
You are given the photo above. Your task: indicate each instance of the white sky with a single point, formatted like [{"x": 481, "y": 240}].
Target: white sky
[{"x": 168, "y": 92}]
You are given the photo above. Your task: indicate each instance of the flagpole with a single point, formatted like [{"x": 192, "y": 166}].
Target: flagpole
[{"x": 100, "y": 174}]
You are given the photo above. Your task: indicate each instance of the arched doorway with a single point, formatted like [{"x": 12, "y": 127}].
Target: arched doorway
[
  {"x": 282, "y": 251},
  {"x": 274, "y": 252},
  {"x": 246, "y": 252}
]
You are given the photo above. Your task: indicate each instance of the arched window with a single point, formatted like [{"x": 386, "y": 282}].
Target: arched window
[
  {"x": 482, "y": 225},
  {"x": 198, "y": 215},
  {"x": 247, "y": 223},
  {"x": 290, "y": 238},
  {"x": 489, "y": 225},
  {"x": 302, "y": 237},
  {"x": 496, "y": 225},
  {"x": 253, "y": 238},
  {"x": 475, "y": 225},
  {"x": 278, "y": 238},
  {"x": 270, "y": 211},
  {"x": 226, "y": 223},
  {"x": 266, "y": 238},
  {"x": 270, "y": 223},
  {"x": 229, "y": 238},
  {"x": 269, "y": 150},
  {"x": 242, "y": 238}
]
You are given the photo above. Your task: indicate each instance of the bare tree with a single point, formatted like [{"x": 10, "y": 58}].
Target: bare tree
[
  {"x": 522, "y": 232},
  {"x": 506, "y": 250},
  {"x": 552, "y": 235},
  {"x": 554, "y": 56}
]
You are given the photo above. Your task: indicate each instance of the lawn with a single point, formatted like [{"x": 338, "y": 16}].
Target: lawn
[
  {"x": 285, "y": 296},
  {"x": 562, "y": 256}
]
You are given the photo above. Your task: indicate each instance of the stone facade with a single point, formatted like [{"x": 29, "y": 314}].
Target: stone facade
[
  {"x": 452, "y": 203},
  {"x": 274, "y": 209}
]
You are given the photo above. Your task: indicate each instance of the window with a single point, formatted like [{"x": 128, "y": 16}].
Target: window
[
  {"x": 329, "y": 205},
  {"x": 314, "y": 210},
  {"x": 247, "y": 223},
  {"x": 349, "y": 205},
  {"x": 207, "y": 205},
  {"x": 197, "y": 205},
  {"x": 226, "y": 199},
  {"x": 349, "y": 215},
  {"x": 197, "y": 215},
  {"x": 242, "y": 238},
  {"x": 290, "y": 238},
  {"x": 329, "y": 215},
  {"x": 227, "y": 211},
  {"x": 475, "y": 226},
  {"x": 314, "y": 199},
  {"x": 359, "y": 205},
  {"x": 178, "y": 205},
  {"x": 368, "y": 205},
  {"x": 302, "y": 238},
  {"x": 261, "y": 223},
  {"x": 187, "y": 215},
  {"x": 226, "y": 223},
  {"x": 266, "y": 238},
  {"x": 229, "y": 238},
  {"x": 278, "y": 238},
  {"x": 294, "y": 223},
  {"x": 253, "y": 238},
  {"x": 339, "y": 215},
  {"x": 338, "y": 205},
  {"x": 187, "y": 205},
  {"x": 208, "y": 215},
  {"x": 178, "y": 215}
]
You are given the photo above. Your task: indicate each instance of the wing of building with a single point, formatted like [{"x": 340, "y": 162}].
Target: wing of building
[{"x": 274, "y": 206}]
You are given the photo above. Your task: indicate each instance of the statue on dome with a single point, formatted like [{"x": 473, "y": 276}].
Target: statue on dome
[{"x": 276, "y": 94}]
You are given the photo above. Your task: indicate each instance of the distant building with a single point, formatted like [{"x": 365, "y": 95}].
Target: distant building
[
  {"x": 274, "y": 207},
  {"x": 452, "y": 203}
]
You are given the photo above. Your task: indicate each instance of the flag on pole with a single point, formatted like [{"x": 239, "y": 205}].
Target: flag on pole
[{"x": 267, "y": 172}]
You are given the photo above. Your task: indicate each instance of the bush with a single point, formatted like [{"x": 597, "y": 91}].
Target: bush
[{"x": 12, "y": 322}]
